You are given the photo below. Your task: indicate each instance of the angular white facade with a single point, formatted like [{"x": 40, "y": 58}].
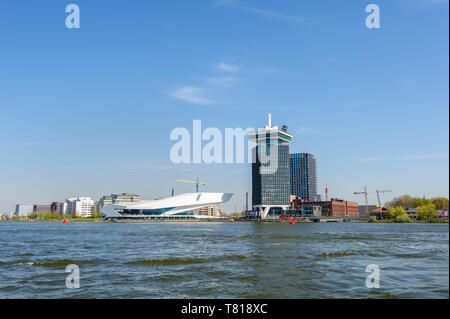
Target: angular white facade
[{"x": 175, "y": 206}]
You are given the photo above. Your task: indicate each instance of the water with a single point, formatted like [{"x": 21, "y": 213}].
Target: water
[{"x": 223, "y": 260}]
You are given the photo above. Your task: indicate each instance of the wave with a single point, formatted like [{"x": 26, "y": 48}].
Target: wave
[
  {"x": 408, "y": 255},
  {"x": 168, "y": 261},
  {"x": 337, "y": 253},
  {"x": 183, "y": 261},
  {"x": 58, "y": 262}
]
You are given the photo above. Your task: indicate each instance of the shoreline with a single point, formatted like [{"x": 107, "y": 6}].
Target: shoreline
[{"x": 99, "y": 220}]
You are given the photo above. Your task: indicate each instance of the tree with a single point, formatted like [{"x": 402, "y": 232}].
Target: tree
[
  {"x": 402, "y": 219},
  {"x": 417, "y": 202},
  {"x": 403, "y": 201},
  {"x": 426, "y": 211},
  {"x": 440, "y": 202},
  {"x": 408, "y": 201},
  {"x": 94, "y": 214},
  {"x": 395, "y": 211}
]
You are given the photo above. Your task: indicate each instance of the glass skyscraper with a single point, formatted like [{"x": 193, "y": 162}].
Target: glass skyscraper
[
  {"x": 274, "y": 188},
  {"x": 303, "y": 169},
  {"x": 270, "y": 183}
]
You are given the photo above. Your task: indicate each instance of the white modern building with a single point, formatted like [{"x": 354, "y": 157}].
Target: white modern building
[
  {"x": 77, "y": 207},
  {"x": 23, "y": 210},
  {"x": 183, "y": 206}
]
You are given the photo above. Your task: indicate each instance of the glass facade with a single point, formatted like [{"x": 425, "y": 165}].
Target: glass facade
[
  {"x": 159, "y": 211},
  {"x": 273, "y": 188},
  {"x": 303, "y": 168}
]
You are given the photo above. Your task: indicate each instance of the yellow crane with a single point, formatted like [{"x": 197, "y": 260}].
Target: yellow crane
[
  {"x": 197, "y": 183},
  {"x": 367, "y": 200}
]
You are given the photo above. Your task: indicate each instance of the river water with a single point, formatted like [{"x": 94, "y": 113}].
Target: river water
[{"x": 223, "y": 260}]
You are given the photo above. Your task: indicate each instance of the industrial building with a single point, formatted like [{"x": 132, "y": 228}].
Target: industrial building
[{"x": 333, "y": 208}]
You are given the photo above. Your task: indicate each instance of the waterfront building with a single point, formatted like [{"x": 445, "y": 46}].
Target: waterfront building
[
  {"x": 55, "y": 207},
  {"x": 77, "y": 207},
  {"x": 311, "y": 211},
  {"x": 270, "y": 180},
  {"x": 183, "y": 206},
  {"x": 41, "y": 208},
  {"x": 23, "y": 210},
  {"x": 6, "y": 216},
  {"x": 212, "y": 210},
  {"x": 442, "y": 213},
  {"x": 117, "y": 198},
  {"x": 306, "y": 210},
  {"x": 333, "y": 208},
  {"x": 303, "y": 167},
  {"x": 63, "y": 208},
  {"x": 362, "y": 210},
  {"x": 411, "y": 212}
]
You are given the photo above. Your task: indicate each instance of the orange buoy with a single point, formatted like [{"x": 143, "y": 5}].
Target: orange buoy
[
  {"x": 65, "y": 221},
  {"x": 292, "y": 222}
]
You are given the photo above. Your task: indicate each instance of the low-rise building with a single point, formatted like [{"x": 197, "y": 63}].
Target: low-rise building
[
  {"x": 411, "y": 212},
  {"x": 6, "y": 215},
  {"x": 362, "y": 210},
  {"x": 305, "y": 211},
  {"x": 209, "y": 211}
]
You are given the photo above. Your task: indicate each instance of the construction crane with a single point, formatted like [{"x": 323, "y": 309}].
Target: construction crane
[
  {"x": 366, "y": 199},
  {"x": 378, "y": 195},
  {"x": 197, "y": 183}
]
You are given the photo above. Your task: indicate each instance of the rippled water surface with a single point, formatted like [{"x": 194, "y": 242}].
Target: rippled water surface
[{"x": 223, "y": 260}]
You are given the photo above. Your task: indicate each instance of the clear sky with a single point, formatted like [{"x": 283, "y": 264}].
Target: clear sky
[{"x": 89, "y": 111}]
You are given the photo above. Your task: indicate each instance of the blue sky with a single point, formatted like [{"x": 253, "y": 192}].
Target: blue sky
[{"x": 89, "y": 111}]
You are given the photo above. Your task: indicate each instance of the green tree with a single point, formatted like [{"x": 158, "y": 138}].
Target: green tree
[
  {"x": 403, "y": 201},
  {"x": 395, "y": 212},
  {"x": 94, "y": 214},
  {"x": 426, "y": 211},
  {"x": 440, "y": 202},
  {"x": 402, "y": 219},
  {"x": 417, "y": 202}
]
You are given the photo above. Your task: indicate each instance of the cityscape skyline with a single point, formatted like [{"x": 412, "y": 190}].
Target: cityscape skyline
[{"x": 101, "y": 101}]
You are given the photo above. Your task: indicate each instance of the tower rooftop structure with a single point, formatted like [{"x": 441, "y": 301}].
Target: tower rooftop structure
[
  {"x": 270, "y": 134},
  {"x": 270, "y": 169}
]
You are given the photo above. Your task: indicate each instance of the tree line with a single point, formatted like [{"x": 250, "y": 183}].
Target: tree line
[{"x": 425, "y": 207}]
